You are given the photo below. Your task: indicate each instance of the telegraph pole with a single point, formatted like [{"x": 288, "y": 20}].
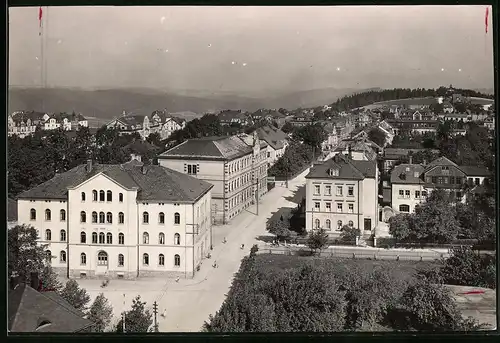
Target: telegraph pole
[{"x": 155, "y": 311}]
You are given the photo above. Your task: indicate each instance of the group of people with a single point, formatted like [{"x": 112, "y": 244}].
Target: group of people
[{"x": 215, "y": 265}]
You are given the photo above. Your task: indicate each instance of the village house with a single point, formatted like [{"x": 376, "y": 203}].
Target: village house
[
  {"x": 67, "y": 122},
  {"x": 166, "y": 124},
  {"x": 342, "y": 191},
  {"x": 24, "y": 123},
  {"x": 456, "y": 117},
  {"x": 360, "y": 149},
  {"x": 391, "y": 156},
  {"x": 121, "y": 221},
  {"x": 230, "y": 117},
  {"x": 418, "y": 126},
  {"x": 235, "y": 165},
  {"x": 277, "y": 142}
]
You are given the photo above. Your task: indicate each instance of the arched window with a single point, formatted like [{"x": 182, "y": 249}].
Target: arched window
[
  {"x": 94, "y": 237},
  {"x": 102, "y": 258},
  {"x": 145, "y": 259},
  {"x": 62, "y": 215},
  {"x": 83, "y": 196},
  {"x": 109, "y": 238},
  {"x": 161, "y": 218},
  {"x": 145, "y": 217},
  {"x": 351, "y": 223},
  {"x": 121, "y": 218},
  {"x": 101, "y": 217},
  {"x": 32, "y": 214},
  {"x": 94, "y": 217},
  {"x": 94, "y": 195},
  {"x": 83, "y": 259},
  {"x": 161, "y": 238},
  {"x": 328, "y": 224},
  {"x": 121, "y": 238},
  {"x": 177, "y": 260},
  {"x": 339, "y": 224},
  {"x": 120, "y": 197},
  {"x": 145, "y": 238},
  {"x": 404, "y": 208},
  {"x": 316, "y": 223},
  {"x": 63, "y": 235},
  {"x": 121, "y": 260},
  {"x": 177, "y": 218},
  {"x": 101, "y": 238},
  {"x": 49, "y": 256},
  {"x": 83, "y": 217},
  {"x": 109, "y": 196},
  {"x": 48, "y": 214},
  {"x": 48, "y": 235},
  {"x": 62, "y": 257},
  {"x": 177, "y": 239},
  {"x": 161, "y": 260},
  {"x": 83, "y": 237},
  {"x": 109, "y": 218},
  {"x": 101, "y": 195}
]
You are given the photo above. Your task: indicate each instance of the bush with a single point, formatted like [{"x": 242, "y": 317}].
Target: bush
[{"x": 349, "y": 233}]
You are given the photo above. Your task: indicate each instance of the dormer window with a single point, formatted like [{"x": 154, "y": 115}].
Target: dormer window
[
  {"x": 333, "y": 172},
  {"x": 416, "y": 174},
  {"x": 407, "y": 169},
  {"x": 402, "y": 176}
]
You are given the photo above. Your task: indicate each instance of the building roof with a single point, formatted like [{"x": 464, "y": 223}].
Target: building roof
[
  {"x": 29, "y": 309},
  {"x": 217, "y": 148},
  {"x": 357, "y": 146},
  {"x": 407, "y": 173},
  {"x": 59, "y": 117},
  {"x": 157, "y": 183},
  {"x": 348, "y": 169},
  {"x": 130, "y": 121},
  {"x": 25, "y": 115},
  {"x": 140, "y": 147},
  {"x": 475, "y": 171},
  {"x": 441, "y": 161},
  {"x": 12, "y": 210},
  {"x": 272, "y": 136},
  {"x": 229, "y": 115}
]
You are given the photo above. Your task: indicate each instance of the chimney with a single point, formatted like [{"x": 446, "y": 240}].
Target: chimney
[
  {"x": 424, "y": 163},
  {"x": 89, "y": 165},
  {"x": 144, "y": 170},
  {"x": 35, "y": 281},
  {"x": 136, "y": 157},
  {"x": 349, "y": 152},
  {"x": 14, "y": 281},
  {"x": 411, "y": 159}
]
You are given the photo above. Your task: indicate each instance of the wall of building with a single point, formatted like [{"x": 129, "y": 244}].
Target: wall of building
[{"x": 410, "y": 198}]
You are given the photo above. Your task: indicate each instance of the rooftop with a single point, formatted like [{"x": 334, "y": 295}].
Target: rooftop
[
  {"x": 348, "y": 169},
  {"x": 273, "y": 136},
  {"x": 407, "y": 173}
]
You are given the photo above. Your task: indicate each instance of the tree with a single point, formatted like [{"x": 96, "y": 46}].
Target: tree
[
  {"x": 317, "y": 240},
  {"x": 401, "y": 227},
  {"x": 76, "y": 296},
  {"x": 154, "y": 138},
  {"x": 138, "y": 319},
  {"x": 312, "y": 135},
  {"x": 349, "y": 233},
  {"x": 287, "y": 127},
  {"x": 279, "y": 229},
  {"x": 377, "y": 136},
  {"x": 101, "y": 313}
]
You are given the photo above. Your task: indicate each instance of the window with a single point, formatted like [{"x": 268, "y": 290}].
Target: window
[
  {"x": 49, "y": 256},
  {"x": 83, "y": 237},
  {"x": 192, "y": 169},
  {"x": 177, "y": 239},
  {"x": 101, "y": 195},
  {"x": 445, "y": 179},
  {"x": 339, "y": 207},
  {"x": 83, "y": 259},
  {"x": 351, "y": 223},
  {"x": 109, "y": 196},
  {"x": 328, "y": 206},
  {"x": 328, "y": 190},
  {"x": 109, "y": 218},
  {"x": 440, "y": 179},
  {"x": 121, "y": 260},
  {"x": 121, "y": 218},
  {"x": 101, "y": 217},
  {"x": 94, "y": 195},
  {"x": 416, "y": 174},
  {"x": 62, "y": 257},
  {"x": 120, "y": 197},
  {"x": 102, "y": 258},
  {"x": 62, "y": 215},
  {"x": 145, "y": 238},
  {"x": 407, "y": 193},
  {"x": 339, "y": 191},
  {"x": 94, "y": 217},
  {"x": 328, "y": 224},
  {"x": 121, "y": 238},
  {"x": 350, "y": 191},
  {"x": 161, "y": 238},
  {"x": 161, "y": 218},
  {"x": 109, "y": 238},
  {"x": 161, "y": 260},
  {"x": 317, "y": 223},
  {"x": 316, "y": 205},
  {"x": 434, "y": 179},
  {"x": 177, "y": 218},
  {"x": 316, "y": 190},
  {"x": 63, "y": 236},
  {"x": 48, "y": 235},
  {"x": 404, "y": 208},
  {"x": 102, "y": 238},
  {"x": 459, "y": 195},
  {"x": 351, "y": 208},
  {"x": 476, "y": 181},
  {"x": 339, "y": 224},
  {"x": 48, "y": 214},
  {"x": 401, "y": 193},
  {"x": 145, "y": 259},
  {"x": 177, "y": 260},
  {"x": 83, "y": 217},
  {"x": 94, "y": 237},
  {"x": 424, "y": 194},
  {"x": 452, "y": 180},
  {"x": 145, "y": 217},
  {"x": 83, "y": 196},
  {"x": 32, "y": 214}
]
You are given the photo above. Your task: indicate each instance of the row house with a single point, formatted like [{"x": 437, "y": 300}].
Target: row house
[
  {"x": 230, "y": 117},
  {"x": 121, "y": 221},
  {"x": 342, "y": 191},
  {"x": 67, "y": 122},
  {"x": 235, "y": 165},
  {"x": 418, "y": 126},
  {"x": 166, "y": 124},
  {"x": 277, "y": 142},
  {"x": 391, "y": 156},
  {"x": 158, "y": 122},
  {"x": 412, "y": 183},
  {"x": 456, "y": 117}
]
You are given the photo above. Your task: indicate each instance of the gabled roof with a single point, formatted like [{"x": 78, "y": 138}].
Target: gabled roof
[
  {"x": 28, "y": 309},
  {"x": 228, "y": 115},
  {"x": 348, "y": 169},
  {"x": 405, "y": 173},
  {"x": 140, "y": 147},
  {"x": 475, "y": 171},
  {"x": 441, "y": 161},
  {"x": 272, "y": 136},
  {"x": 131, "y": 122}
]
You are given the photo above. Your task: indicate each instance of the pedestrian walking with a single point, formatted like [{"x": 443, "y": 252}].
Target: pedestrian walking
[
  {"x": 224, "y": 240},
  {"x": 177, "y": 279},
  {"x": 215, "y": 264},
  {"x": 242, "y": 246},
  {"x": 164, "y": 313}
]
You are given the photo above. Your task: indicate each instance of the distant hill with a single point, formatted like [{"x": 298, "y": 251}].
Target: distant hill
[{"x": 109, "y": 103}]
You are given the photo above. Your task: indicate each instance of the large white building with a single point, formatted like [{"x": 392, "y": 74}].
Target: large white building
[
  {"x": 277, "y": 142},
  {"x": 342, "y": 191},
  {"x": 24, "y": 123},
  {"x": 127, "y": 220},
  {"x": 235, "y": 165}
]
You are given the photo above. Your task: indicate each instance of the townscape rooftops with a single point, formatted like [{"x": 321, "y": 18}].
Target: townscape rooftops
[
  {"x": 229, "y": 115},
  {"x": 272, "y": 136},
  {"x": 140, "y": 147},
  {"x": 347, "y": 169},
  {"x": 407, "y": 173},
  {"x": 23, "y": 116},
  {"x": 475, "y": 171}
]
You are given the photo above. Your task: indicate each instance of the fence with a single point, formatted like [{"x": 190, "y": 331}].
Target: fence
[{"x": 474, "y": 243}]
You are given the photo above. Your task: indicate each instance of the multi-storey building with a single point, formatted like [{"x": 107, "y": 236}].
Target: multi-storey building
[
  {"x": 276, "y": 140},
  {"x": 25, "y": 123},
  {"x": 65, "y": 121},
  {"x": 166, "y": 124},
  {"x": 236, "y": 166},
  {"x": 160, "y": 122},
  {"x": 418, "y": 126},
  {"x": 126, "y": 220},
  {"x": 342, "y": 191}
]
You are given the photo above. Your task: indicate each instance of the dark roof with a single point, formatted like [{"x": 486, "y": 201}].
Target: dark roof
[
  {"x": 222, "y": 148},
  {"x": 441, "y": 161},
  {"x": 475, "y": 171},
  {"x": 348, "y": 169},
  {"x": 405, "y": 173},
  {"x": 158, "y": 183},
  {"x": 12, "y": 210},
  {"x": 140, "y": 147},
  {"x": 273, "y": 136},
  {"x": 229, "y": 115},
  {"x": 28, "y": 309}
]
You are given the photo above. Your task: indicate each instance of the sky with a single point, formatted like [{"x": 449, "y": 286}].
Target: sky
[{"x": 252, "y": 49}]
